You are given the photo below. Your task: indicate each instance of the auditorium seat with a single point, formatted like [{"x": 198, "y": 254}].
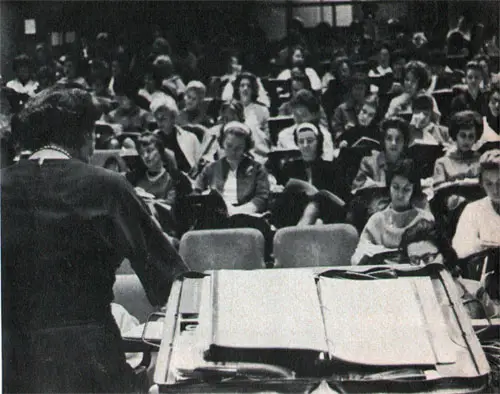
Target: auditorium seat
[
  {"x": 317, "y": 245},
  {"x": 241, "y": 248}
]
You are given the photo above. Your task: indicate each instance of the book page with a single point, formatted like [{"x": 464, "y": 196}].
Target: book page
[{"x": 375, "y": 322}]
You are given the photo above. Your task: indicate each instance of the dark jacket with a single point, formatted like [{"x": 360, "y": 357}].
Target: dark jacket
[
  {"x": 67, "y": 228},
  {"x": 252, "y": 181},
  {"x": 323, "y": 174},
  {"x": 464, "y": 101}
]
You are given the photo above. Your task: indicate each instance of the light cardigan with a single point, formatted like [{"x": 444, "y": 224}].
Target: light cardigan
[
  {"x": 188, "y": 143},
  {"x": 454, "y": 166},
  {"x": 478, "y": 228},
  {"x": 385, "y": 228}
]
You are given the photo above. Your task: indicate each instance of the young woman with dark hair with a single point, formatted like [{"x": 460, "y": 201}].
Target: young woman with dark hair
[
  {"x": 246, "y": 91},
  {"x": 417, "y": 81},
  {"x": 385, "y": 228}
]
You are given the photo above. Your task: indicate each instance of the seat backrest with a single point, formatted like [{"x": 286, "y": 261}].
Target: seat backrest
[
  {"x": 317, "y": 245},
  {"x": 130, "y": 294},
  {"x": 241, "y": 248}
]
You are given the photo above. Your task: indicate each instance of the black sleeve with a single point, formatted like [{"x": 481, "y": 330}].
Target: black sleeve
[{"x": 152, "y": 257}]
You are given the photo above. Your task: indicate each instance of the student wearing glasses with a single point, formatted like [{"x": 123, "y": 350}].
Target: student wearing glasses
[{"x": 422, "y": 244}]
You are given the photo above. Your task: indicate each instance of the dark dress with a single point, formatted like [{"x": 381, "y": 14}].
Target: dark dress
[{"x": 66, "y": 228}]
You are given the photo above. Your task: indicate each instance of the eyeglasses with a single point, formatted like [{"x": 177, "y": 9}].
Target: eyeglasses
[{"x": 424, "y": 259}]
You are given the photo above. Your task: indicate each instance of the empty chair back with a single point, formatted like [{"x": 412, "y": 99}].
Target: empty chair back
[
  {"x": 241, "y": 248},
  {"x": 317, "y": 245}
]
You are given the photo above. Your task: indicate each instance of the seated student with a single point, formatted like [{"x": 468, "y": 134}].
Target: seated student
[
  {"x": 228, "y": 80},
  {"x": 242, "y": 182},
  {"x": 385, "y": 228},
  {"x": 23, "y": 84},
  {"x": 383, "y": 66},
  {"x": 305, "y": 109},
  {"x": 472, "y": 98},
  {"x": 422, "y": 244},
  {"x": 422, "y": 129},
  {"x": 441, "y": 74},
  {"x": 184, "y": 144},
  {"x": 484, "y": 62},
  {"x": 479, "y": 224},
  {"x": 299, "y": 82},
  {"x": 46, "y": 77},
  {"x": 246, "y": 90},
  {"x": 298, "y": 208},
  {"x": 416, "y": 82},
  {"x": 128, "y": 115},
  {"x": 299, "y": 59},
  {"x": 156, "y": 178},
  {"x": 230, "y": 111},
  {"x": 462, "y": 162},
  {"x": 100, "y": 92},
  {"x": 71, "y": 69},
  {"x": 152, "y": 84},
  {"x": 345, "y": 116},
  {"x": 337, "y": 84},
  {"x": 366, "y": 123},
  {"x": 492, "y": 118},
  {"x": 394, "y": 141},
  {"x": 193, "y": 112},
  {"x": 170, "y": 80}
]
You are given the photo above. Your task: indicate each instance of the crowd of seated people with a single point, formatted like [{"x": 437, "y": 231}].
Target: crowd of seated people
[
  {"x": 399, "y": 147},
  {"x": 362, "y": 129}
]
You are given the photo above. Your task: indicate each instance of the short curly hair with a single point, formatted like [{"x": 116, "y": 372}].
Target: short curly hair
[
  {"x": 253, "y": 85},
  {"x": 395, "y": 122},
  {"x": 464, "y": 120},
  {"x": 421, "y": 72},
  {"x": 57, "y": 115}
]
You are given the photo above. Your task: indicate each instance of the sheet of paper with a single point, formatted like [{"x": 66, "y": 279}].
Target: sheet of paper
[
  {"x": 375, "y": 322},
  {"x": 266, "y": 309}
]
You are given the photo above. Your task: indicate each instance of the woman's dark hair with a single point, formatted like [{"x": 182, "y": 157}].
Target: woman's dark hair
[
  {"x": 398, "y": 123},
  {"x": 337, "y": 64},
  {"x": 253, "y": 84},
  {"x": 420, "y": 71},
  {"x": 22, "y": 60},
  {"x": 465, "y": 120},
  {"x": 306, "y": 99},
  {"x": 473, "y": 65},
  {"x": 317, "y": 132},
  {"x": 236, "y": 107},
  {"x": 494, "y": 88},
  {"x": 405, "y": 168},
  {"x": 425, "y": 230},
  {"x": 57, "y": 115},
  {"x": 423, "y": 102}
]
